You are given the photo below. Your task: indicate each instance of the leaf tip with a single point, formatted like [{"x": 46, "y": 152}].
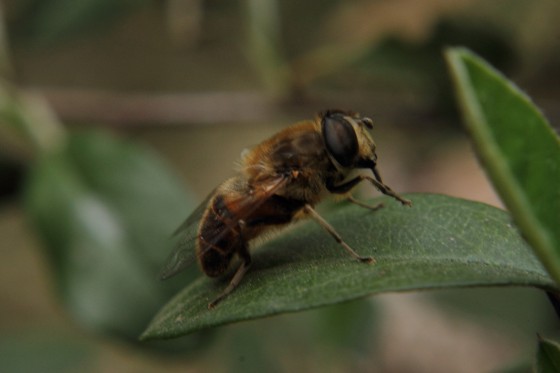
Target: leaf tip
[{"x": 147, "y": 335}]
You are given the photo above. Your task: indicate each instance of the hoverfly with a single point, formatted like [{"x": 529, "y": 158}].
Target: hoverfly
[{"x": 280, "y": 181}]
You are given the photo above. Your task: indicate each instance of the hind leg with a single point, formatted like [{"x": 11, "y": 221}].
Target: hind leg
[{"x": 245, "y": 257}]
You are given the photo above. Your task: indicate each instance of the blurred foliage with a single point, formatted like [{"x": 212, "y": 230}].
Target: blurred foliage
[
  {"x": 420, "y": 64},
  {"x": 521, "y": 310},
  {"x": 290, "y": 50},
  {"x": 46, "y": 23},
  {"x": 28, "y": 122},
  {"x": 45, "y": 351},
  {"x": 333, "y": 338},
  {"x": 347, "y": 52},
  {"x": 105, "y": 211}
]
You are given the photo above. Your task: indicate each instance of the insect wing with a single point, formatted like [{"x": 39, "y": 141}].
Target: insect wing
[
  {"x": 183, "y": 255},
  {"x": 194, "y": 218}
]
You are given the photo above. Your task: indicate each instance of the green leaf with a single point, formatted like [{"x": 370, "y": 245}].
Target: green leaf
[
  {"x": 27, "y": 120},
  {"x": 517, "y": 147},
  {"x": 548, "y": 357},
  {"x": 105, "y": 210},
  {"x": 346, "y": 326},
  {"x": 46, "y": 351},
  {"x": 439, "y": 242}
]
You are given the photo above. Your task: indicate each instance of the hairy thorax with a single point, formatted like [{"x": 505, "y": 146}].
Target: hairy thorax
[{"x": 297, "y": 154}]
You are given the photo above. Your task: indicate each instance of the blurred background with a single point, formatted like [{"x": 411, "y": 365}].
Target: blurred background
[{"x": 117, "y": 118}]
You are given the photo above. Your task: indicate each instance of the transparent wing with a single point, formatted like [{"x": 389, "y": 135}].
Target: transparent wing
[
  {"x": 195, "y": 216},
  {"x": 184, "y": 253}
]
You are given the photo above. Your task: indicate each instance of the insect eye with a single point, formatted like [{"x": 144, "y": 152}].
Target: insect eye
[{"x": 340, "y": 139}]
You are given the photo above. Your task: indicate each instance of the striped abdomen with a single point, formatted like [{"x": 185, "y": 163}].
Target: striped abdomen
[{"x": 221, "y": 235}]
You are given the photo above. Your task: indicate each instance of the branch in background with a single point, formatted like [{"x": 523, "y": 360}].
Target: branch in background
[
  {"x": 74, "y": 105},
  {"x": 131, "y": 110},
  {"x": 149, "y": 109}
]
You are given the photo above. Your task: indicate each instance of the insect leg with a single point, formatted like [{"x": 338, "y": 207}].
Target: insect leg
[
  {"x": 245, "y": 257},
  {"x": 329, "y": 228},
  {"x": 385, "y": 189},
  {"x": 348, "y": 186},
  {"x": 360, "y": 203}
]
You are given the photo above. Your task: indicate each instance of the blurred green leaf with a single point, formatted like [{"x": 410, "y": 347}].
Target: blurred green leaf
[
  {"x": 28, "y": 118},
  {"x": 45, "y": 351},
  {"x": 439, "y": 242},
  {"x": 249, "y": 351},
  {"x": 518, "y": 148},
  {"x": 347, "y": 326},
  {"x": 105, "y": 210},
  {"x": 44, "y": 22},
  {"x": 548, "y": 357},
  {"x": 522, "y": 310},
  {"x": 264, "y": 44}
]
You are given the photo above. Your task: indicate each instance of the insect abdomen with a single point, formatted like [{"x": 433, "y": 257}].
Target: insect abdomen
[{"x": 218, "y": 238}]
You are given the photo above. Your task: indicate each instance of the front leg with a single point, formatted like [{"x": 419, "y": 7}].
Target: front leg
[
  {"x": 344, "y": 187},
  {"x": 350, "y": 184},
  {"x": 385, "y": 189},
  {"x": 365, "y": 205}
]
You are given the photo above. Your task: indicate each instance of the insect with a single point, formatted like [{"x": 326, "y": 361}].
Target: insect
[{"x": 280, "y": 181}]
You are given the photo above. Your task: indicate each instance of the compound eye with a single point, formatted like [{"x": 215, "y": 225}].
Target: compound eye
[{"x": 340, "y": 139}]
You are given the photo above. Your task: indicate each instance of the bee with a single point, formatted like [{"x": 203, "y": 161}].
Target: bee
[{"x": 280, "y": 181}]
